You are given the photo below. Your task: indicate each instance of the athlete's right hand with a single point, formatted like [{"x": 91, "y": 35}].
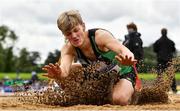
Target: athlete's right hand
[{"x": 53, "y": 71}]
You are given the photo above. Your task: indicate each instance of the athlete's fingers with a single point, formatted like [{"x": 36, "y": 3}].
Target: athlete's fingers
[
  {"x": 57, "y": 65},
  {"x": 45, "y": 69},
  {"x": 118, "y": 58},
  {"x": 46, "y": 75},
  {"x": 51, "y": 65},
  {"x": 121, "y": 56}
]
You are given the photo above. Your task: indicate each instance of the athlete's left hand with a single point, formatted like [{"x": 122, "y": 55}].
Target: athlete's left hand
[{"x": 125, "y": 60}]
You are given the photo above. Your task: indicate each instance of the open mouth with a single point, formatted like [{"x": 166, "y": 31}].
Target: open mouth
[{"x": 76, "y": 41}]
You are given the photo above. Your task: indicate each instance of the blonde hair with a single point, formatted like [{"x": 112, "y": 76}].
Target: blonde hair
[{"x": 68, "y": 20}]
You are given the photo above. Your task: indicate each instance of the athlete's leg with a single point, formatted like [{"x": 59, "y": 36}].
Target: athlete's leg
[{"x": 122, "y": 92}]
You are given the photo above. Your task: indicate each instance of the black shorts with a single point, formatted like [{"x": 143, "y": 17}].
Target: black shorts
[{"x": 130, "y": 77}]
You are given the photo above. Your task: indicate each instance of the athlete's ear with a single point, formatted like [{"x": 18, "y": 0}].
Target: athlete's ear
[{"x": 84, "y": 27}]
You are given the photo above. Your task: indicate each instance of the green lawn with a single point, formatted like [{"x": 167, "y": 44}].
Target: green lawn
[
  {"x": 151, "y": 76},
  {"x": 148, "y": 76},
  {"x": 22, "y": 75}
]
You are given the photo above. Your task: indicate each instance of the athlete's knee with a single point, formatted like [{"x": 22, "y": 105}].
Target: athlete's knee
[{"x": 120, "y": 99}]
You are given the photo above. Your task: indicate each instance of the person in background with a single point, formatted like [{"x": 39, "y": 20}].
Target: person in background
[
  {"x": 165, "y": 50},
  {"x": 34, "y": 77},
  {"x": 134, "y": 43}
]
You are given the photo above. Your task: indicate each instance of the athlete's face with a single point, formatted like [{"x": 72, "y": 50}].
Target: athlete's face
[{"x": 76, "y": 35}]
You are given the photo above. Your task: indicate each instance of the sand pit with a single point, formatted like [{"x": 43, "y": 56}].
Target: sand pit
[
  {"x": 92, "y": 90},
  {"x": 11, "y": 103}
]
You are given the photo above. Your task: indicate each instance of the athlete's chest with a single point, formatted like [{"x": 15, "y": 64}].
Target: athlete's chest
[{"x": 89, "y": 54}]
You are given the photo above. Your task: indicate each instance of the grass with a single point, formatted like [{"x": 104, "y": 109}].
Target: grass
[
  {"x": 145, "y": 76},
  {"x": 21, "y": 75},
  {"x": 150, "y": 76}
]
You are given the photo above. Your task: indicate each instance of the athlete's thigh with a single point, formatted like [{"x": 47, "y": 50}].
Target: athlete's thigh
[{"x": 123, "y": 87}]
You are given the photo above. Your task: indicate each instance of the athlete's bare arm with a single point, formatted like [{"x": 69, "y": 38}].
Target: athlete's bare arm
[{"x": 106, "y": 42}]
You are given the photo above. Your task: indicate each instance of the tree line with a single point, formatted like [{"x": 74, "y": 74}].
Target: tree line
[{"x": 26, "y": 61}]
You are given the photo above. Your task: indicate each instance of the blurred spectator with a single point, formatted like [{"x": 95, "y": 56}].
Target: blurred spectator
[
  {"x": 18, "y": 75},
  {"x": 134, "y": 43},
  {"x": 33, "y": 83},
  {"x": 34, "y": 77},
  {"x": 165, "y": 49}
]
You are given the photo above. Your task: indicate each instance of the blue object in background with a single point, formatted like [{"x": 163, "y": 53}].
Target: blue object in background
[{"x": 8, "y": 89}]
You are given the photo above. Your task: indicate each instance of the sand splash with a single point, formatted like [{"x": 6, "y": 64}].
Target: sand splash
[
  {"x": 157, "y": 90},
  {"x": 89, "y": 86}
]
